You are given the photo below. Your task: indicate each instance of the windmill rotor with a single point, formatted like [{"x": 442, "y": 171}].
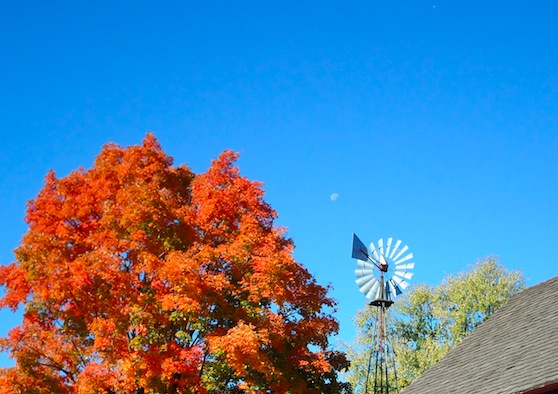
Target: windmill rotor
[{"x": 383, "y": 270}]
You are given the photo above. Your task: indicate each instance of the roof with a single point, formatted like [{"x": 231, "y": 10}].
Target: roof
[{"x": 513, "y": 351}]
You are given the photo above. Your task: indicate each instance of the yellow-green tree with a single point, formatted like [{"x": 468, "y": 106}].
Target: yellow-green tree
[{"x": 427, "y": 321}]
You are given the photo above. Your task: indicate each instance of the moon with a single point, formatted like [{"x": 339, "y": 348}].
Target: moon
[{"x": 334, "y": 196}]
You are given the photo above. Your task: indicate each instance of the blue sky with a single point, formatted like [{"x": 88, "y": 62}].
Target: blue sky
[{"x": 435, "y": 122}]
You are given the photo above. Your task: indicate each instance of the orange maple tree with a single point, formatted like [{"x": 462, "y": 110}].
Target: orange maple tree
[{"x": 137, "y": 276}]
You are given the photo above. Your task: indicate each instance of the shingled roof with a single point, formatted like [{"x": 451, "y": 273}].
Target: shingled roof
[{"x": 513, "y": 351}]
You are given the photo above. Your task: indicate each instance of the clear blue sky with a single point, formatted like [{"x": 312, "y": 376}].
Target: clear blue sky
[{"x": 435, "y": 122}]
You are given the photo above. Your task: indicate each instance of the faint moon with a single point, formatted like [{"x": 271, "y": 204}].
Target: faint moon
[{"x": 334, "y": 196}]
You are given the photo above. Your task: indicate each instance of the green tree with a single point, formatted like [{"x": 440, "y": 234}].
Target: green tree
[{"x": 427, "y": 321}]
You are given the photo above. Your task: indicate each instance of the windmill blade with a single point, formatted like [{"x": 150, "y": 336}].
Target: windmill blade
[
  {"x": 361, "y": 280},
  {"x": 364, "y": 264},
  {"x": 403, "y": 274},
  {"x": 403, "y": 259},
  {"x": 388, "y": 246},
  {"x": 390, "y": 289},
  {"x": 359, "y": 249},
  {"x": 403, "y": 250},
  {"x": 403, "y": 284},
  {"x": 364, "y": 272},
  {"x": 374, "y": 291},
  {"x": 374, "y": 251},
  {"x": 408, "y": 266},
  {"x": 395, "y": 247},
  {"x": 368, "y": 285},
  {"x": 395, "y": 289},
  {"x": 381, "y": 247}
]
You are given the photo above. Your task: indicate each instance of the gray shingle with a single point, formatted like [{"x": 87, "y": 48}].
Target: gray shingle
[{"x": 514, "y": 351}]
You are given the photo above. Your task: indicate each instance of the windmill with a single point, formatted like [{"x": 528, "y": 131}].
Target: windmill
[{"x": 383, "y": 273}]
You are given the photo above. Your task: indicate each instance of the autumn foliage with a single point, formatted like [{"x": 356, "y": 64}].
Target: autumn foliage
[{"x": 137, "y": 276}]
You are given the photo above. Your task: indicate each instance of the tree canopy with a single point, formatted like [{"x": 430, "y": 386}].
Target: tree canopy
[
  {"x": 137, "y": 276},
  {"x": 427, "y": 321}
]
